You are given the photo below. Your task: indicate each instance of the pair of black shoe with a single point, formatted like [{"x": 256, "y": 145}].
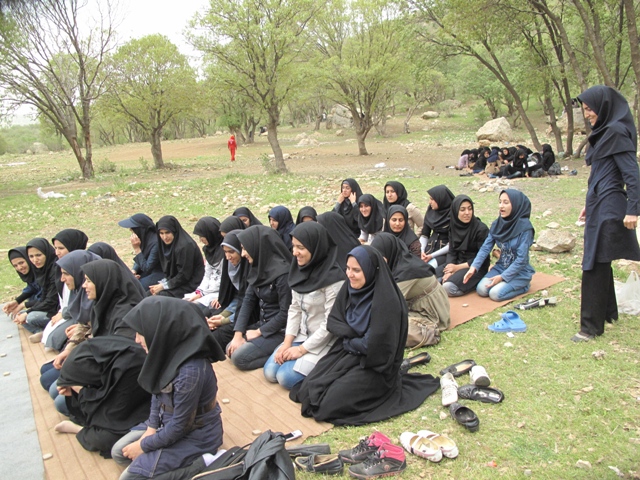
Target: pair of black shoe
[{"x": 316, "y": 459}]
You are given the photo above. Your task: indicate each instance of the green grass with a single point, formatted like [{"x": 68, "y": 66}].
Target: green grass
[{"x": 550, "y": 419}]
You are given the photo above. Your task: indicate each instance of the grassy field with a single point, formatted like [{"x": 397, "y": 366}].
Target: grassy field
[{"x": 561, "y": 404}]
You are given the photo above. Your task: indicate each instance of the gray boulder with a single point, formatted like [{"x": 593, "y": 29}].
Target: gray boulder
[
  {"x": 429, "y": 115},
  {"x": 555, "y": 241},
  {"x": 497, "y": 130}
]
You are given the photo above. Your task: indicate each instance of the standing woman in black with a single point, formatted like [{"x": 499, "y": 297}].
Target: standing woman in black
[
  {"x": 180, "y": 258},
  {"x": 610, "y": 213}
]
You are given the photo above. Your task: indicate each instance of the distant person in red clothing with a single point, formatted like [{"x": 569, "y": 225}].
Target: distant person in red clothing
[{"x": 232, "y": 147}]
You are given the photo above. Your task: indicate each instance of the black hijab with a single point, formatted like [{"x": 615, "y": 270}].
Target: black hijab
[
  {"x": 116, "y": 295},
  {"x": 548, "y": 157},
  {"x": 228, "y": 288},
  {"x": 341, "y": 234},
  {"x": 175, "y": 331},
  {"x": 209, "y": 228},
  {"x": 306, "y": 212},
  {"x": 48, "y": 270},
  {"x": 401, "y": 192},
  {"x": 386, "y": 339},
  {"x": 106, "y": 251},
  {"x": 176, "y": 253},
  {"x": 79, "y": 305},
  {"x": 373, "y": 223},
  {"x": 355, "y": 188},
  {"x": 615, "y": 130},
  {"x": 232, "y": 223},
  {"x": 504, "y": 229},
  {"x": 406, "y": 235},
  {"x": 271, "y": 257},
  {"x": 403, "y": 264},
  {"x": 282, "y": 215},
  {"x": 520, "y": 158},
  {"x": 72, "y": 239},
  {"x": 323, "y": 269},
  {"x": 21, "y": 252},
  {"x": 462, "y": 236},
  {"x": 144, "y": 228},
  {"x": 111, "y": 402},
  {"x": 438, "y": 220},
  {"x": 245, "y": 212}
]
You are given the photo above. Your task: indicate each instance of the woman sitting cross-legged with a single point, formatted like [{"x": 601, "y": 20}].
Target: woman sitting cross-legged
[
  {"x": 359, "y": 379},
  {"x": 416, "y": 281},
  {"x": 467, "y": 233},
  {"x": 513, "y": 233},
  {"x": 315, "y": 278},
  {"x": 269, "y": 291}
]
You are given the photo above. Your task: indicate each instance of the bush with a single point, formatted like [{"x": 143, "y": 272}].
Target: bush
[
  {"x": 481, "y": 113},
  {"x": 104, "y": 165},
  {"x": 3, "y": 146}
]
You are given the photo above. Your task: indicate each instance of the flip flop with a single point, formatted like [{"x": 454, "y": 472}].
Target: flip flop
[
  {"x": 407, "y": 363},
  {"x": 465, "y": 417},
  {"x": 458, "y": 369},
  {"x": 481, "y": 394}
]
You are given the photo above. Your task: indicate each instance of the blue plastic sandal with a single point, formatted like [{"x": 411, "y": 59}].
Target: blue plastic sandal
[
  {"x": 501, "y": 326},
  {"x": 517, "y": 325}
]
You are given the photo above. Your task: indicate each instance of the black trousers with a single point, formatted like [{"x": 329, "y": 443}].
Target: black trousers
[{"x": 598, "y": 303}]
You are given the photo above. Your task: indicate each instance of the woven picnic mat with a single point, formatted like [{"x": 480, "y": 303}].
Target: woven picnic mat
[
  {"x": 253, "y": 405},
  {"x": 477, "y": 305}
]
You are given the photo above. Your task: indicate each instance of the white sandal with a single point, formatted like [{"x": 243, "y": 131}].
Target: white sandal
[
  {"x": 421, "y": 446},
  {"x": 447, "y": 446},
  {"x": 479, "y": 376}
]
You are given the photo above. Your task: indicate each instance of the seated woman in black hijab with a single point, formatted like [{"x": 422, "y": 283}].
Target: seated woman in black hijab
[
  {"x": 416, "y": 281},
  {"x": 247, "y": 216},
  {"x": 370, "y": 217},
  {"x": 340, "y": 233},
  {"x": 359, "y": 380},
  {"x": 268, "y": 290},
  {"x": 99, "y": 384},
  {"x": 184, "y": 423},
  {"x": 233, "y": 286},
  {"x": 467, "y": 233},
  {"x": 396, "y": 194},
  {"x": 307, "y": 214},
  {"x": 35, "y": 317},
  {"x": 347, "y": 204},
  {"x": 518, "y": 167},
  {"x": 106, "y": 251},
  {"x": 206, "y": 295},
  {"x": 434, "y": 237},
  {"x": 180, "y": 258},
  {"x": 397, "y": 223},
  {"x": 281, "y": 221},
  {"x": 231, "y": 223},
  {"x": 31, "y": 293},
  {"x": 144, "y": 240}
]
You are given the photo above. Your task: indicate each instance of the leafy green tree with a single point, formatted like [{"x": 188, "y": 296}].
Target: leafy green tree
[
  {"x": 53, "y": 61},
  {"x": 151, "y": 83},
  {"x": 259, "y": 42},
  {"x": 359, "y": 44}
]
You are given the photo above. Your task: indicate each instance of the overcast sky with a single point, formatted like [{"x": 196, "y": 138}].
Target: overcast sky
[{"x": 145, "y": 17}]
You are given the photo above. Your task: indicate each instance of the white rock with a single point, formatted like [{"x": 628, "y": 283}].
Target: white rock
[
  {"x": 556, "y": 241},
  {"x": 546, "y": 213},
  {"x": 429, "y": 115},
  {"x": 496, "y": 130},
  {"x": 553, "y": 225},
  {"x": 583, "y": 464}
]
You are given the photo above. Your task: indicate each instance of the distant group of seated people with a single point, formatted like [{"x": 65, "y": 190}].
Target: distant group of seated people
[
  {"x": 320, "y": 304},
  {"x": 508, "y": 162}
]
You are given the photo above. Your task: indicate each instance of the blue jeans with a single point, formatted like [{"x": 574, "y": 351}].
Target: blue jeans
[
  {"x": 283, "y": 374},
  {"x": 501, "y": 291},
  {"x": 36, "y": 321}
]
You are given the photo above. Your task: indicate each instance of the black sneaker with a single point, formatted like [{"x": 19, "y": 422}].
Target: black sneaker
[
  {"x": 389, "y": 460},
  {"x": 366, "y": 447}
]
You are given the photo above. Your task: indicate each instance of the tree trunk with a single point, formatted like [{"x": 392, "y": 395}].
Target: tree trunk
[
  {"x": 316, "y": 127},
  {"x": 272, "y": 136},
  {"x": 156, "y": 147},
  {"x": 552, "y": 119},
  {"x": 634, "y": 49}
]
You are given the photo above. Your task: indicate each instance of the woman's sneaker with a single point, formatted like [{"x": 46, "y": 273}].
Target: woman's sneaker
[
  {"x": 389, "y": 460},
  {"x": 479, "y": 376},
  {"x": 449, "y": 389},
  {"x": 366, "y": 447}
]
